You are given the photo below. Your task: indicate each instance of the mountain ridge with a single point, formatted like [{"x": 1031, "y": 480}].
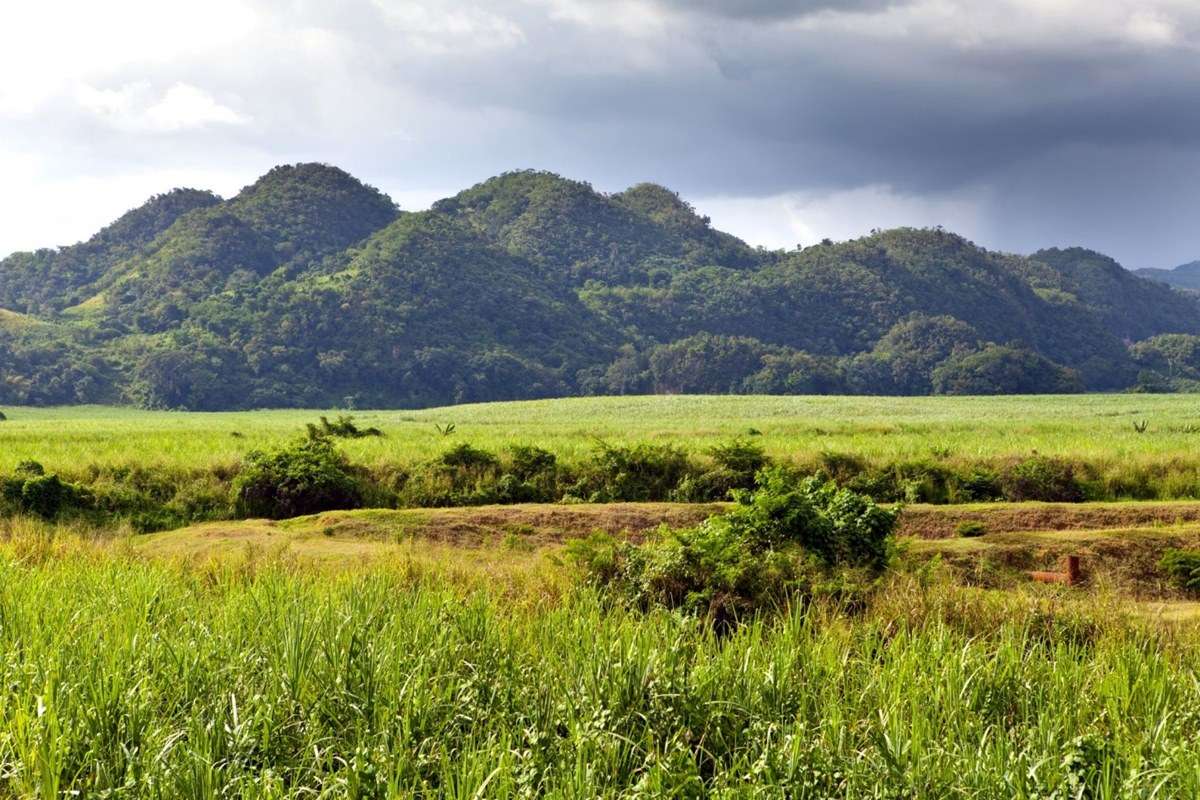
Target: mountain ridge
[
  {"x": 1185, "y": 276},
  {"x": 310, "y": 287}
]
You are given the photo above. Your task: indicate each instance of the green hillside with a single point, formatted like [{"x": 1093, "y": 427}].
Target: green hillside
[
  {"x": 310, "y": 288},
  {"x": 50, "y": 280},
  {"x": 1185, "y": 276}
]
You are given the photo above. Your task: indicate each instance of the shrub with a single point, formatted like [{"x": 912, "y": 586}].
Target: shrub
[
  {"x": 47, "y": 496},
  {"x": 637, "y": 473},
  {"x": 301, "y": 478},
  {"x": 343, "y": 428},
  {"x": 1041, "y": 478},
  {"x": 780, "y": 539},
  {"x": 531, "y": 463},
  {"x": 977, "y": 485},
  {"x": 462, "y": 476},
  {"x": 841, "y": 527},
  {"x": 716, "y": 484},
  {"x": 740, "y": 456},
  {"x": 1182, "y": 568},
  {"x": 2, "y": 417},
  {"x": 841, "y": 467},
  {"x": 970, "y": 528},
  {"x": 467, "y": 458},
  {"x": 736, "y": 464}
]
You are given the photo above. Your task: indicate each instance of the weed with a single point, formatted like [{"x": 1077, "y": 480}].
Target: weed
[
  {"x": 343, "y": 428},
  {"x": 1182, "y": 567},
  {"x": 970, "y": 528}
]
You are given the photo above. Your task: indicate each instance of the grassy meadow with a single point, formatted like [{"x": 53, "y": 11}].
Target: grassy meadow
[
  {"x": 1099, "y": 428},
  {"x": 427, "y": 675},
  {"x": 460, "y": 652}
]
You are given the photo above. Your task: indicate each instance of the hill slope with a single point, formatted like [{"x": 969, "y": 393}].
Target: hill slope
[
  {"x": 311, "y": 288},
  {"x": 1185, "y": 276},
  {"x": 51, "y": 280}
]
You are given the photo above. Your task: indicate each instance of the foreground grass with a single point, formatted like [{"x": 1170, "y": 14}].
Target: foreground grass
[
  {"x": 260, "y": 677},
  {"x": 1097, "y": 428}
]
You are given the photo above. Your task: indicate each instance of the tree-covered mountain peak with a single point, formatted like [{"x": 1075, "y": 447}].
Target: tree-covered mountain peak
[
  {"x": 310, "y": 210},
  {"x": 141, "y": 225}
]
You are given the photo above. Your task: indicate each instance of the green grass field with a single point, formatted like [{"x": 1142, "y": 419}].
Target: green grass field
[
  {"x": 460, "y": 653},
  {"x": 1098, "y": 428}
]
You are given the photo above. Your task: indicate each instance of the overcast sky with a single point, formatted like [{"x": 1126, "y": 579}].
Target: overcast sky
[{"x": 1019, "y": 123}]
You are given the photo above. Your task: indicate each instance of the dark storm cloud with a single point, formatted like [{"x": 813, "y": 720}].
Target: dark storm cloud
[{"x": 1057, "y": 120}]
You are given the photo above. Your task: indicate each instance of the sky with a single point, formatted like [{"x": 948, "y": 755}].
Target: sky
[{"x": 1020, "y": 124}]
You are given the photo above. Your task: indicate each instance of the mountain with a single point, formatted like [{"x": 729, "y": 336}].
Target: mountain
[
  {"x": 47, "y": 281},
  {"x": 1185, "y": 276},
  {"x": 577, "y": 234},
  {"x": 310, "y": 288}
]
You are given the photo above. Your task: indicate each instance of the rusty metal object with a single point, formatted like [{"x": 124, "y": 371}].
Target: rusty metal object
[{"x": 1071, "y": 574}]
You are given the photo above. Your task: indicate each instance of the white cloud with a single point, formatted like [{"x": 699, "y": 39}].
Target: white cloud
[
  {"x": 444, "y": 28},
  {"x": 184, "y": 107},
  {"x": 49, "y": 46},
  {"x": 804, "y": 218},
  {"x": 821, "y": 125},
  {"x": 137, "y": 108}
]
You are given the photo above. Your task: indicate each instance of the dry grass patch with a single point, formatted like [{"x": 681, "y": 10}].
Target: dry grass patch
[{"x": 941, "y": 522}]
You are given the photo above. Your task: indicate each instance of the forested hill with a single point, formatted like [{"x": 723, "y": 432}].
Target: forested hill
[
  {"x": 310, "y": 288},
  {"x": 1185, "y": 276}
]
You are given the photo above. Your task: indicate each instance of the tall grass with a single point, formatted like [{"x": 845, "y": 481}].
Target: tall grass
[{"x": 125, "y": 678}]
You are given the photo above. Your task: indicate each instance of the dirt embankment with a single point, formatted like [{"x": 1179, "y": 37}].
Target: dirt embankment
[
  {"x": 941, "y": 522},
  {"x": 541, "y": 523}
]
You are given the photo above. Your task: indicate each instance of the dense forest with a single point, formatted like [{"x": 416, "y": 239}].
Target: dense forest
[{"x": 310, "y": 288}]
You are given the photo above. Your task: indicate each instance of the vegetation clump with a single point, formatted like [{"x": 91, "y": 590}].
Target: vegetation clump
[
  {"x": 970, "y": 528},
  {"x": 638, "y": 473},
  {"x": 31, "y": 491},
  {"x": 343, "y": 428},
  {"x": 1182, "y": 567},
  {"x": 1041, "y": 478},
  {"x": 304, "y": 477},
  {"x": 735, "y": 465},
  {"x": 783, "y": 538}
]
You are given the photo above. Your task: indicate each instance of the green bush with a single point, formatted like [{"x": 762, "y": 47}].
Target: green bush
[
  {"x": 531, "y": 463},
  {"x": 343, "y": 428},
  {"x": 740, "y": 457},
  {"x": 1041, "y": 478},
  {"x": 533, "y": 476},
  {"x": 466, "y": 458},
  {"x": 977, "y": 485},
  {"x": 716, "y": 484},
  {"x": 1182, "y": 568},
  {"x": 301, "y": 478},
  {"x": 840, "y": 526},
  {"x": 30, "y": 468},
  {"x": 462, "y": 476},
  {"x": 970, "y": 528},
  {"x": 31, "y": 491},
  {"x": 781, "y": 539},
  {"x": 736, "y": 464},
  {"x": 841, "y": 467},
  {"x": 634, "y": 473}
]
